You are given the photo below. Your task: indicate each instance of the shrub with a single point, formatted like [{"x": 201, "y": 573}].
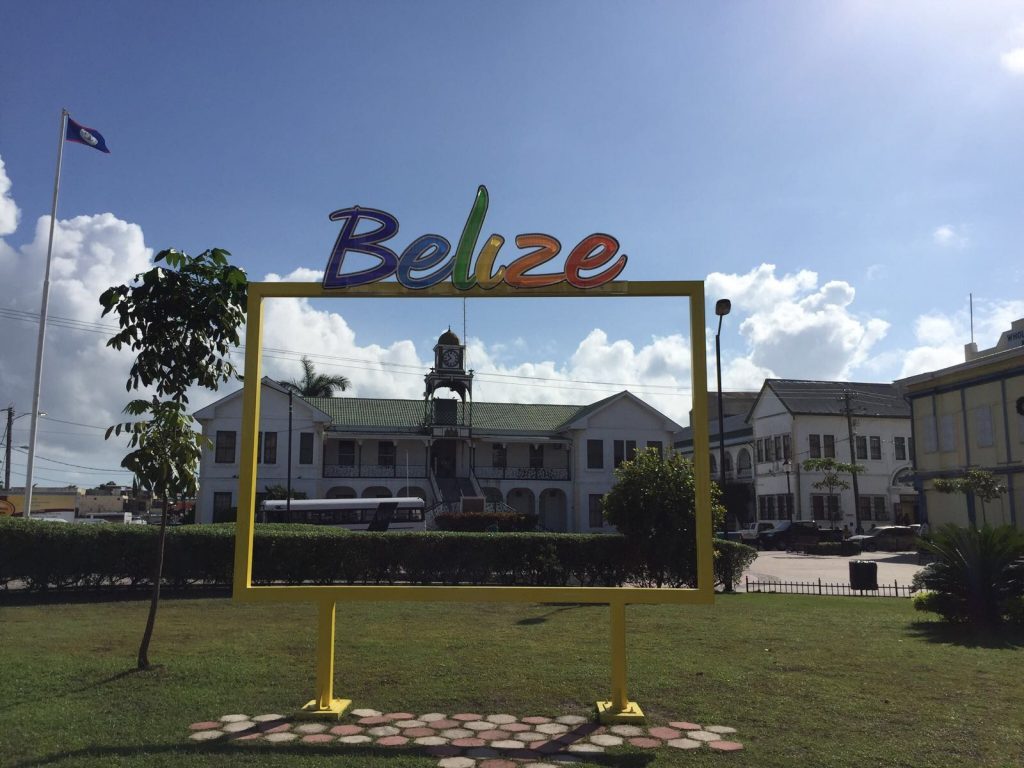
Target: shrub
[
  {"x": 486, "y": 521},
  {"x": 731, "y": 560},
  {"x": 978, "y": 573}
]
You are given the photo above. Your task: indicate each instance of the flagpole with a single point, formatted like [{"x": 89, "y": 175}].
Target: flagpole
[{"x": 42, "y": 320}]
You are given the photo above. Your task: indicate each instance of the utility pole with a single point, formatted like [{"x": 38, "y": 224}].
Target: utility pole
[
  {"x": 853, "y": 458},
  {"x": 7, "y": 448}
]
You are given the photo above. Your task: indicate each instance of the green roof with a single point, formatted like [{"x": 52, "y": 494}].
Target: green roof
[{"x": 368, "y": 414}]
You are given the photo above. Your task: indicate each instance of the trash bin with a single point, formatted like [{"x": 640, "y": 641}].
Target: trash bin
[{"x": 863, "y": 574}]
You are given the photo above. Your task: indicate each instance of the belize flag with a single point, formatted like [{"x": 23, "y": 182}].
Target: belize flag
[{"x": 79, "y": 134}]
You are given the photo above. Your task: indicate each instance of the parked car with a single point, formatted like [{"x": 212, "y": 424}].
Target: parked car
[
  {"x": 790, "y": 534},
  {"x": 889, "y": 538},
  {"x": 752, "y": 533}
]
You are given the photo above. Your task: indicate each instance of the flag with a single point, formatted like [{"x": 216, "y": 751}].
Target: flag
[{"x": 79, "y": 134}]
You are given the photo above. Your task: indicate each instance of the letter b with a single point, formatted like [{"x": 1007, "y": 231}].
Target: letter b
[{"x": 366, "y": 242}]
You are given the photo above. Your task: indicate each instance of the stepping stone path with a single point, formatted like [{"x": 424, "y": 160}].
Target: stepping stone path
[{"x": 471, "y": 740}]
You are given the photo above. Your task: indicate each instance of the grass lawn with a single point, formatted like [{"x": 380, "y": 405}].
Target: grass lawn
[{"x": 808, "y": 681}]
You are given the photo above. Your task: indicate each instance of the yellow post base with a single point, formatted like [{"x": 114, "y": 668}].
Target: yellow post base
[
  {"x": 313, "y": 711},
  {"x": 607, "y": 713}
]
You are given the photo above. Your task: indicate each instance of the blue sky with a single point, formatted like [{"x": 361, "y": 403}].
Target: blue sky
[{"x": 846, "y": 172}]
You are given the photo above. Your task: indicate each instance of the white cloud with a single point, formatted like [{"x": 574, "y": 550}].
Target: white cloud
[
  {"x": 876, "y": 272},
  {"x": 9, "y": 213},
  {"x": 1013, "y": 61},
  {"x": 947, "y": 236}
]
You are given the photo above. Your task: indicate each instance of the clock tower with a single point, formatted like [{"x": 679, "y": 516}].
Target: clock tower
[{"x": 449, "y": 372}]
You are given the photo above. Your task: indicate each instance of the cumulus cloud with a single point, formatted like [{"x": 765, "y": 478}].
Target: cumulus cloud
[
  {"x": 948, "y": 236},
  {"x": 9, "y": 213},
  {"x": 1013, "y": 61}
]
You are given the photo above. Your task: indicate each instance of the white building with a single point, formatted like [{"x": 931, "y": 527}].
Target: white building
[
  {"x": 797, "y": 420},
  {"x": 552, "y": 460}
]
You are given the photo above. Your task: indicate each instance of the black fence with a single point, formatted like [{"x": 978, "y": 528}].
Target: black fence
[{"x": 822, "y": 588}]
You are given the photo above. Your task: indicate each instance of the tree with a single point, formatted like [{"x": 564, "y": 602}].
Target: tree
[
  {"x": 974, "y": 484},
  {"x": 831, "y": 482},
  {"x": 182, "y": 320},
  {"x": 653, "y": 503},
  {"x": 313, "y": 384}
]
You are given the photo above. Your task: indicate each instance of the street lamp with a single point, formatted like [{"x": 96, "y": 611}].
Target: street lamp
[
  {"x": 722, "y": 307},
  {"x": 11, "y": 418},
  {"x": 787, "y": 467}
]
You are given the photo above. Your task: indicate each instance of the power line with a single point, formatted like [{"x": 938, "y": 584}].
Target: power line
[{"x": 77, "y": 466}]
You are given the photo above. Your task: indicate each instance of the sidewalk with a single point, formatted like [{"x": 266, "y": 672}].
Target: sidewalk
[{"x": 898, "y": 567}]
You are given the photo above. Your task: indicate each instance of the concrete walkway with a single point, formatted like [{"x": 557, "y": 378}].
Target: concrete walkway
[{"x": 898, "y": 567}]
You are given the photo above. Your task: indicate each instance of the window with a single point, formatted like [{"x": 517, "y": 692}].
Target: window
[
  {"x": 825, "y": 507},
  {"x": 386, "y": 453},
  {"x": 499, "y": 456},
  {"x": 623, "y": 450},
  {"x": 777, "y": 440},
  {"x": 760, "y": 450},
  {"x": 785, "y": 448},
  {"x": 222, "y": 506},
  {"x": 875, "y": 444},
  {"x": 830, "y": 446},
  {"x": 305, "y": 448},
  {"x": 596, "y": 510},
  {"x": 537, "y": 457},
  {"x": 266, "y": 448},
  {"x": 762, "y": 508},
  {"x": 346, "y": 453},
  {"x": 983, "y": 427},
  {"x": 225, "y": 452},
  {"x": 874, "y": 508},
  {"x": 657, "y": 445},
  {"x": 714, "y": 465},
  {"x": 595, "y": 454},
  {"x": 899, "y": 447},
  {"x": 931, "y": 438},
  {"x": 769, "y": 449},
  {"x": 743, "y": 468},
  {"x": 862, "y": 447},
  {"x": 814, "y": 444},
  {"x": 947, "y": 433}
]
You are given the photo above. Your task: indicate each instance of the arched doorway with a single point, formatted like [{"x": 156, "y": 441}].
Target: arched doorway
[
  {"x": 376, "y": 492},
  {"x": 493, "y": 496},
  {"x": 522, "y": 500},
  {"x": 553, "y": 508},
  {"x": 412, "y": 490},
  {"x": 341, "y": 492},
  {"x": 743, "y": 466}
]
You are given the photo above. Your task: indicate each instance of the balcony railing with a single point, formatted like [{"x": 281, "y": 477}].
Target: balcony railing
[
  {"x": 523, "y": 473},
  {"x": 375, "y": 470}
]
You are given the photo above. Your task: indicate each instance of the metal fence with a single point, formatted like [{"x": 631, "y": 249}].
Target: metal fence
[{"x": 822, "y": 588}]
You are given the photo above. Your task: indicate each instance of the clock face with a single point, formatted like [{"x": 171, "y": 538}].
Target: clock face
[{"x": 451, "y": 358}]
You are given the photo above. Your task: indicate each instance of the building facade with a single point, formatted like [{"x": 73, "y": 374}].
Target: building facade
[
  {"x": 555, "y": 461},
  {"x": 971, "y": 416}
]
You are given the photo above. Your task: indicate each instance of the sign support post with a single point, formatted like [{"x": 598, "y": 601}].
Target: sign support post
[{"x": 325, "y": 705}]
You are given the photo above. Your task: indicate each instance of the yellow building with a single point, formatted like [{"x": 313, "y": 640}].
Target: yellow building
[
  {"x": 971, "y": 416},
  {"x": 51, "y": 502}
]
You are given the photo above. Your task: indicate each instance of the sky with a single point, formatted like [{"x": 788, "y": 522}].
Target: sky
[{"x": 847, "y": 174}]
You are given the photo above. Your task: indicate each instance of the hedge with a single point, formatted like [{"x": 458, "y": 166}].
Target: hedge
[
  {"x": 842, "y": 548},
  {"x": 50, "y": 556}
]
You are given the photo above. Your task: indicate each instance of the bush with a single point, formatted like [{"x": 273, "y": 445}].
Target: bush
[
  {"x": 731, "y": 560},
  {"x": 486, "y": 521},
  {"x": 840, "y": 548},
  {"x": 977, "y": 574}
]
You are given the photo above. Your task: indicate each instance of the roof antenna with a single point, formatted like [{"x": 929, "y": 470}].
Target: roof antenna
[{"x": 971, "y": 297}]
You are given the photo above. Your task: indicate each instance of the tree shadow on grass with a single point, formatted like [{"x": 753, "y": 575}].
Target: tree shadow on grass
[
  {"x": 81, "y": 689},
  {"x": 556, "y": 608},
  {"x": 1005, "y": 636},
  {"x": 230, "y": 747}
]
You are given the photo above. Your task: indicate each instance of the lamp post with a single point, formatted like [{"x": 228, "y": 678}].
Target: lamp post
[
  {"x": 288, "y": 491},
  {"x": 722, "y": 308},
  {"x": 11, "y": 418},
  {"x": 787, "y": 467}
]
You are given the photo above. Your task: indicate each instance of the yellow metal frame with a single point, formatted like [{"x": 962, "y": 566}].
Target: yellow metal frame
[{"x": 618, "y": 708}]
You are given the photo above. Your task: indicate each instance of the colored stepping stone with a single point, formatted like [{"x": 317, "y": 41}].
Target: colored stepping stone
[
  {"x": 382, "y": 730},
  {"x": 664, "y": 733},
  {"x": 627, "y": 730},
  {"x": 468, "y": 742},
  {"x": 400, "y": 716},
  {"x": 280, "y": 738},
  {"x": 205, "y": 735},
  {"x": 508, "y": 744},
  {"x": 585, "y": 748},
  {"x": 725, "y": 746},
  {"x": 570, "y": 719},
  {"x": 645, "y": 742},
  {"x": 432, "y": 716},
  {"x": 250, "y": 737},
  {"x": 348, "y": 730},
  {"x": 311, "y": 728},
  {"x": 563, "y": 758},
  {"x": 365, "y": 713},
  {"x": 282, "y": 728},
  {"x": 606, "y": 740},
  {"x": 318, "y": 738},
  {"x": 685, "y": 726},
  {"x": 456, "y": 762},
  {"x": 205, "y": 725},
  {"x": 442, "y": 724},
  {"x": 355, "y": 739},
  {"x": 719, "y": 729},
  {"x": 553, "y": 728},
  {"x": 500, "y": 719},
  {"x": 703, "y": 736},
  {"x": 585, "y": 729},
  {"x": 373, "y": 720},
  {"x": 457, "y": 733},
  {"x": 408, "y": 723},
  {"x": 392, "y": 741},
  {"x": 479, "y": 725},
  {"x": 684, "y": 743},
  {"x": 430, "y": 741},
  {"x": 234, "y": 718},
  {"x": 466, "y": 717},
  {"x": 494, "y": 735},
  {"x": 497, "y": 763},
  {"x": 536, "y": 720},
  {"x": 515, "y": 727},
  {"x": 529, "y": 736},
  {"x": 418, "y": 733},
  {"x": 267, "y": 718},
  {"x": 238, "y": 727}
]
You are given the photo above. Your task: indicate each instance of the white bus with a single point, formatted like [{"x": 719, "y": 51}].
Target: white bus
[{"x": 403, "y": 513}]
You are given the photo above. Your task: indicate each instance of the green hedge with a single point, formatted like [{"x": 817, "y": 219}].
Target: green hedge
[
  {"x": 842, "y": 548},
  {"x": 486, "y": 521},
  {"x": 44, "y": 556}
]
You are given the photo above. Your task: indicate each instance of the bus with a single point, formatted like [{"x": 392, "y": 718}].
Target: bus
[{"x": 399, "y": 513}]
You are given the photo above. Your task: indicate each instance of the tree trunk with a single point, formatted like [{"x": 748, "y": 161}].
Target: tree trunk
[{"x": 143, "y": 662}]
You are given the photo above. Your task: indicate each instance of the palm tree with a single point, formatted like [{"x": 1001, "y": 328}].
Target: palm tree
[{"x": 313, "y": 384}]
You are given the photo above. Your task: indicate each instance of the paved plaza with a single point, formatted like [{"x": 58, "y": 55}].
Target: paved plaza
[
  {"x": 893, "y": 567},
  {"x": 469, "y": 739}
]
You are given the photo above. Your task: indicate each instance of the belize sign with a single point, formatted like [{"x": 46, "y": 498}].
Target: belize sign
[{"x": 428, "y": 260}]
